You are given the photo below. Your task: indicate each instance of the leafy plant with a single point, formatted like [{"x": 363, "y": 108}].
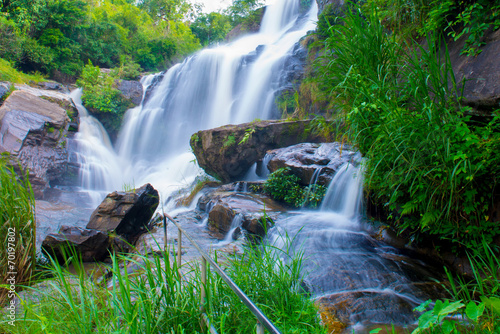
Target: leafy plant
[
  {"x": 229, "y": 141},
  {"x": 283, "y": 185},
  {"x": 248, "y": 134}
]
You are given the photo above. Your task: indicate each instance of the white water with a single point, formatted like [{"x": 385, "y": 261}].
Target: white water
[
  {"x": 341, "y": 260},
  {"x": 233, "y": 83}
]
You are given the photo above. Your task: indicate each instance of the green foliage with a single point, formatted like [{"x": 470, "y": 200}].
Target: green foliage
[
  {"x": 474, "y": 20},
  {"x": 477, "y": 300},
  {"x": 160, "y": 296},
  {"x": 284, "y": 186},
  {"x": 58, "y": 37},
  {"x": 248, "y": 134},
  {"x": 242, "y": 10},
  {"x": 428, "y": 160},
  {"x": 8, "y": 73},
  {"x": 271, "y": 278},
  {"x": 230, "y": 141},
  {"x": 17, "y": 229},
  {"x": 455, "y": 17},
  {"x": 98, "y": 90},
  {"x": 211, "y": 28}
]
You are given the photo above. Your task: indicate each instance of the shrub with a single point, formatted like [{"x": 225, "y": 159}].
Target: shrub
[
  {"x": 428, "y": 160},
  {"x": 284, "y": 186}
]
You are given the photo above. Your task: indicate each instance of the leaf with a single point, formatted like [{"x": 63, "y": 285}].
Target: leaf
[
  {"x": 474, "y": 311},
  {"x": 423, "y": 306},
  {"x": 375, "y": 331},
  {"x": 493, "y": 303}
]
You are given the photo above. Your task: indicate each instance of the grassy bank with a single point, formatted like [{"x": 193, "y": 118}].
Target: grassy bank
[{"x": 155, "y": 299}]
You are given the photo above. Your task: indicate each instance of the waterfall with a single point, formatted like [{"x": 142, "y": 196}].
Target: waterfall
[
  {"x": 233, "y": 83},
  {"x": 94, "y": 154}
]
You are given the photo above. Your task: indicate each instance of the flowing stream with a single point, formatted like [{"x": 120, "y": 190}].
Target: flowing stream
[{"x": 367, "y": 281}]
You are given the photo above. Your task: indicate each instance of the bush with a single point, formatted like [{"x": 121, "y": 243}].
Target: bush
[
  {"x": 428, "y": 159},
  {"x": 284, "y": 186}
]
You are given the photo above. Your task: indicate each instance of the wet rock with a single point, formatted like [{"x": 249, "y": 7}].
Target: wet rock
[
  {"x": 306, "y": 158},
  {"x": 252, "y": 210},
  {"x": 372, "y": 306},
  {"x": 131, "y": 90},
  {"x": 92, "y": 245},
  {"x": 33, "y": 130},
  {"x": 229, "y": 151},
  {"x": 337, "y": 4},
  {"x": 126, "y": 214}
]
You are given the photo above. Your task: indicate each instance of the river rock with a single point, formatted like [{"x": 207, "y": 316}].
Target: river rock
[
  {"x": 229, "y": 151},
  {"x": 131, "y": 90},
  {"x": 92, "y": 245},
  {"x": 307, "y": 158},
  {"x": 33, "y": 130},
  {"x": 223, "y": 207},
  {"x": 126, "y": 214}
]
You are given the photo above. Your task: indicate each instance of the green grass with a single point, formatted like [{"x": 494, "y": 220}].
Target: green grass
[
  {"x": 154, "y": 298},
  {"x": 8, "y": 73},
  {"x": 17, "y": 229}
]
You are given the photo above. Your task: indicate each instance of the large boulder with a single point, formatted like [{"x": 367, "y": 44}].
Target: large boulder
[
  {"x": 229, "y": 151},
  {"x": 126, "y": 214},
  {"x": 34, "y": 129},
  {"x": 310, "y": 160},
  {"x": 92, "y": 245}
]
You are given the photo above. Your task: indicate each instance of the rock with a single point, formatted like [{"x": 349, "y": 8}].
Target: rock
[
  {"x": 126, "y": 214},
  {"x": 131, "y": 90},
  {"x": 223, "y": 207},
  {"x": 481, "y": 73},
  {"x": 33, "y": 130},
  {"x": 5, "y": 88},
  {"x": 229, "y": 151},
  {"x": 306, "y": 158},
  {"x": 92, "y": 245},
  {"x": 372, "y": 306},
  {"x": 336, "y": 4}
]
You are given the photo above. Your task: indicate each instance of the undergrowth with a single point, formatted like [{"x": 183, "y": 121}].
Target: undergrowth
[
  {"x": 429, "y": 160},
  {"x": 154, "y": 298}
]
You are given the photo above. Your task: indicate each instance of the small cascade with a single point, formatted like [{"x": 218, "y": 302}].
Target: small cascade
[
  {"x": 241, "y": 187},
  {"x": 343, "y": 265},
  {"x": 233, "y": 229},
  {"x": 312, "y": 184},
  {"x": 345, "y": 192}
]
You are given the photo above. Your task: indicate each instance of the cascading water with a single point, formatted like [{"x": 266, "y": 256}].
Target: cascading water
[
  {"x": 343, "y": 265},
  {"x": 232, "y": 83},
  {"x": 94, "y": 154}
]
